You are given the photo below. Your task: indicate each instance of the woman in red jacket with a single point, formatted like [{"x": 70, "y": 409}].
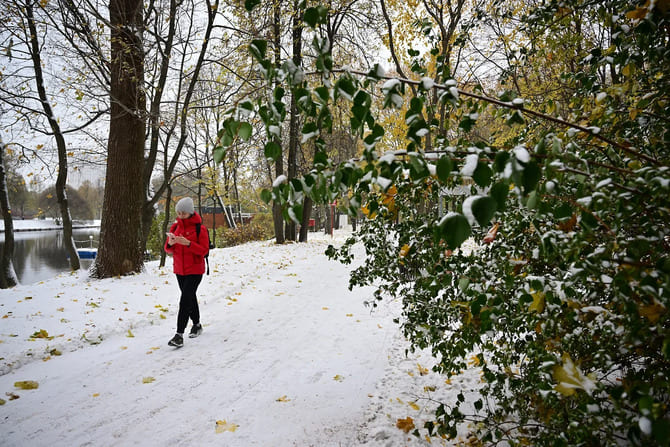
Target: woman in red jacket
[{"x": 188, "y": 248}]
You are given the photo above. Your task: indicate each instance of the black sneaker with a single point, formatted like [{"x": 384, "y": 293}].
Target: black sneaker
[
  {"x": 195, "y": 330},
  {"x": 177, "y": 341}
]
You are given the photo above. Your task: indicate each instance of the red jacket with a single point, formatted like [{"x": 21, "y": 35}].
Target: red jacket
[{"x": 189, "y": 260}]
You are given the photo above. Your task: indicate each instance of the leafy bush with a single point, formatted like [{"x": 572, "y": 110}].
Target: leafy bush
[
  {"x": 565, "y": 307},
  {"x": 156, "y": 237},
  {"x": 253, "y": 231}
]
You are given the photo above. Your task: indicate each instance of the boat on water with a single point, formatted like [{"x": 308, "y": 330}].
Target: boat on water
[{"x": 87, "y": 253}]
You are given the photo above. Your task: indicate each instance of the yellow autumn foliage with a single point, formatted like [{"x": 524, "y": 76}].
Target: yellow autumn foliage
[
  {"x": 538, "y": 302},
  {"x": 570, "y": 378}
]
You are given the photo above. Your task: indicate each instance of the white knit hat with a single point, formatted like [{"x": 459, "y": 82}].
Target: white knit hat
[{"x": 185, "y": 205}]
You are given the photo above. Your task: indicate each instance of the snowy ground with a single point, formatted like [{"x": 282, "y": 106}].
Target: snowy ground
[{"x": 288, "y": 357}]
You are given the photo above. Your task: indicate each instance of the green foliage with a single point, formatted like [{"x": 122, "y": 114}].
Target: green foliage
[
  {"x": 566, "y": 306},
  {"x": 156, "y": 238}
]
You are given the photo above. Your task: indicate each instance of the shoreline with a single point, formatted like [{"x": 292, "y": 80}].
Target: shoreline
[{"x": 46, "y": 225}]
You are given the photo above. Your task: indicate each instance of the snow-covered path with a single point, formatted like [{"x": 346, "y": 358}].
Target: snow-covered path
[{"x": 288, "y": 357}]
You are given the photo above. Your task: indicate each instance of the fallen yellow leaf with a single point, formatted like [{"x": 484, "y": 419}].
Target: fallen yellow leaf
[
  {"x": 148, "y": 380},
  {"x": 283, "y": 399},
  {"x": 339, "y": 378},
  {"x": 414, "y": 406},
  {"x": 26, "y": 385},
  {"x": 423, "y": 371},
  {"x": 222, "y": 426},
  {"x": 406, "y": 424}
]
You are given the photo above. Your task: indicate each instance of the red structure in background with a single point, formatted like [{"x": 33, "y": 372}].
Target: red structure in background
[{"x": 208, "y": 218}]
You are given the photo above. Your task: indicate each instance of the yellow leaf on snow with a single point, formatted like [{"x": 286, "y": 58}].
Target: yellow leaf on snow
[
  {"x": 130, "y": 334},
  {"x": 222, "y": 426},
  {"x": 422, "y": 371},
  {"x": 414, "y": 406},
  {"x": 406, "y": 424},
  {"x": 284, "y": 398},
  {"x": 26, "y": 385},
  {"x": 148, "y": 380},
  {"x": 339, "y": 378}
]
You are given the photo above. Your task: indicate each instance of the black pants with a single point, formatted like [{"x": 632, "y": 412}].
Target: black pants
[{"x": 188, "y": 303}]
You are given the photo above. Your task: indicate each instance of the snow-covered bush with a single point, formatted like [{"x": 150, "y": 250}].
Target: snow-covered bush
[{"x": 562, "y": 298}]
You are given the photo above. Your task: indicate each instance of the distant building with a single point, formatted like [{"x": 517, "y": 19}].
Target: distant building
[{"x": 215, "y": 215}]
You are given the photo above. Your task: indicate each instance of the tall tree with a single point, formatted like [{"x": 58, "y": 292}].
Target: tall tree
[
  {"x": 298, "y": 9},
  {"x": 187, "y": 79},
  {"x": 61, "y": 180},
  {"x": 121, "y": 250},
  {"x": 7, "y": 274}
]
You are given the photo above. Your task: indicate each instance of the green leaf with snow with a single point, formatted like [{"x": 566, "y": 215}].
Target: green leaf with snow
[
  {"x": 454, "y": 230},
  {"x": 484, "y": 209}
]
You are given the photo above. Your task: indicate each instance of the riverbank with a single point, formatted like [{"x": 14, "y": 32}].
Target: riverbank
[{"x": 48, "y": 224}]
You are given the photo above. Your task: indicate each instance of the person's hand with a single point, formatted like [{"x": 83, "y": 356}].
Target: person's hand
[
  {"x": 182, "y": 240},
  {"x": 171, "y": 238}
]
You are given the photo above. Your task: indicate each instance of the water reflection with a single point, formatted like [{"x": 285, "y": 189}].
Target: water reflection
[{"x": 40, "y": 255}]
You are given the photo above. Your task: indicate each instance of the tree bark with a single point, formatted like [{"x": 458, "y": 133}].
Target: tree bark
[
  {"x": 7, "y": 274},
  {"x": 277, "y": 215},
  {"x": 166, "y": 221},
  {"x": 121, "y": 247},
  {"x": 61, "y": 179},
  {"x": 304, "y": 222},
  {"x": 294, "y": 124}
]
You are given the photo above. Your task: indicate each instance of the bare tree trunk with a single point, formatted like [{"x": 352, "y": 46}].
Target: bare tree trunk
[
  {"x": 294, "y": 124},
  {"x": 304, "y": 222},
  {"x": 237, "y": 197},
  {"x": 121, "y": 247},
  {"x": 166, "y": 221},
  {"x": 61, "y": 180},
  {"x": 277, "y": 215},
  {"x": 7, "y": 274},
  {"x": 214, "y": 223},
  {"x": 326, "y": 227},
  {"x": 194, "y": 74}
]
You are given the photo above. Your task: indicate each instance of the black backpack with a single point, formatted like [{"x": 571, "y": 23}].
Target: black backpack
[{"x": 197, "y": 234}]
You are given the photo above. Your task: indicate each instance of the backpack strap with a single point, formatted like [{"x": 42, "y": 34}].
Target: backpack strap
[{"x": 197, "y": 234}]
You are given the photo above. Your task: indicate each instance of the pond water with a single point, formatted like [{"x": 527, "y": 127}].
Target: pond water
[{"x": 40, "y": 255}]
